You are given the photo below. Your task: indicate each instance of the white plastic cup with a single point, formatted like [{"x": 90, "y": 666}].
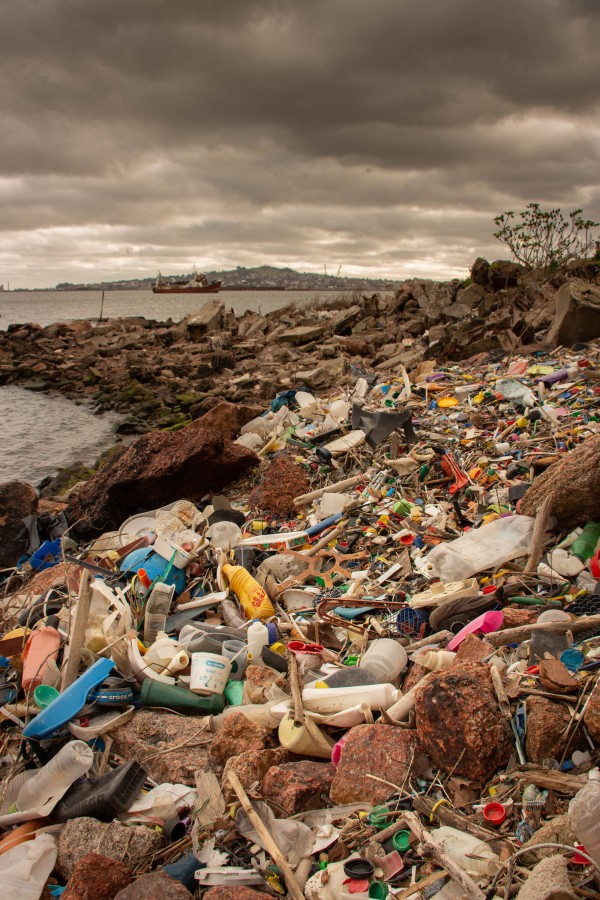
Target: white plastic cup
[{"x": 210, "y": 672}]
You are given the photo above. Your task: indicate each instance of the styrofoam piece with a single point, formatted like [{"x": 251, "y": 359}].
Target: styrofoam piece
[{"x": 440, "y": 592}]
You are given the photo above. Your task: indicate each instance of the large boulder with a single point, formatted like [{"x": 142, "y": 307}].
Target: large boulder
[
  {"x": 504, "y": 274},
  {"x": 229, "y": 418},
  {"x": 127, "y": 843},
  {"x": 156, "y": 469},
  {"x": 459, "y": 723},
  {"x": 577, "y": 316},
  {"x": 17, "y": 500},
  {"x": 97, "y": 877},
  {"x": 573, "y": 485},
  {"x": 237, "y": 735},
  {"x": 546, "y": 730}
]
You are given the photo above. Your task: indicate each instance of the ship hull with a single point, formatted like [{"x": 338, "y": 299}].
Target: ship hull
[{"x": 212, "y": 288}]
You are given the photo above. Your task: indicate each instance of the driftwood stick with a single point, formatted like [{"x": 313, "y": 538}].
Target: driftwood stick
[
  {"x": 296, "y": 690},
  {"x": 75, "y": 644},
  {"x": 419, "y": 885},
  {"x": 428, "y": 848},
  {"x": 524, "y": 632},
  {"x": 305, "y": 499},
  {"x": 449, "y": 816},
  {"x": 542, "y": 517},
  {"x": 294, "y": 889}
]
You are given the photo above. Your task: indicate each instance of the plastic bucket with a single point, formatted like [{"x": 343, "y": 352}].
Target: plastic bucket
[{"x": 209, "y": 673}]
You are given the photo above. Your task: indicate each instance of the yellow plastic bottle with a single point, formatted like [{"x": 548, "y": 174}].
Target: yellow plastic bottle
[{"x": 254, "y": 599}]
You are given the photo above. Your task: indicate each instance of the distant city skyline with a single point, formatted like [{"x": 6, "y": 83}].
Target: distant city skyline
[{"x": 381, "y": 136}]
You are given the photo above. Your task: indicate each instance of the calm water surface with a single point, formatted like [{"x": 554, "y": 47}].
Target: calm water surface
[{"x": 41, "y": 433}]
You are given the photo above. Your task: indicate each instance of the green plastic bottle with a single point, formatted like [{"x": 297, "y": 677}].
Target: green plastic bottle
[{"x": 585, "y": 545}]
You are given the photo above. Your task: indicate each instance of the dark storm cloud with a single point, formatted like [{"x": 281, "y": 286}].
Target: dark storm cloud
[{"x": 384, "y": 135}]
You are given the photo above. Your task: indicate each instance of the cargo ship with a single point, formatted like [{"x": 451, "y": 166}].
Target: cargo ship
[{"x": 197, "y": 284}]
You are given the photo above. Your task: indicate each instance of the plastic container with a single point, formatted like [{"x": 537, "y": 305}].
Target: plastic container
[
  {"x": 40, "y": 650},
  {"x": 331, "y": 700},
  {"x": 102, "y": 798},
  {"x": 237, "y": 654},
  {"x": 258, "y": 637},
  {"x": 157, "y": 610},
  {"x": 482, "y": 548},
  {"x": 436, "y": 660},
  {"x": 253, "y": 598},
  {"x": 584, "y": 817},
  {"x": 166, "y": 656},
  {"x": 181, "y": 543},
  {"x": 53, "y": 780},
  {"x": 385, "y": 658},
  {"x": 171, "y": 696},
  {"x": 256, "y": 712},
  {"x": 585, "y": 545},
  {"x": 209, "y": 673},
  {"x": 25, "y": 869},
  {"x": 461, "y": 846}
]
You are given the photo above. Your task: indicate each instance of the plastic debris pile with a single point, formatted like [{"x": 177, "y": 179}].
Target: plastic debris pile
[{"x": 368, "y": 668}]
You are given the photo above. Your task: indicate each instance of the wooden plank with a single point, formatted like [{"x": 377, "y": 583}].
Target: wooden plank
[{"x": 211, "y": 802}]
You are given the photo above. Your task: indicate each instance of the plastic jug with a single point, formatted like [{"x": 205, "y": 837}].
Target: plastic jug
[
  {"x": 461, "y": 846},
  {"x": 52, "y": 781},
  {"x": 584, "y": 816},
  {"x": 385, "y": 659},
  {"x": 157, "y": 610},
  {"x": 253, "y": 598},
  {"x": 258, "y": 637},
  {"x": 166, "y": 656},
  {"x": 482, "y": 548},
  {"x": 40, "y": 651},
  {"x": 25, "y": 869}
]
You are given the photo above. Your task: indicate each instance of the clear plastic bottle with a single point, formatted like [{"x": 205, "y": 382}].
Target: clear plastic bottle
[
  {"x": 584, "y": 816},
  {"x": 385, "y": 659},
  {"x": 157, "y": 610},
  {"x": 466, "y": 851}
]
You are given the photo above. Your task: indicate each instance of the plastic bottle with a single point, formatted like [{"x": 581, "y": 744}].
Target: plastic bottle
[
  {"x": 461, "y": 846},
  {"x": 40, "y": 651},
  {"x": 166, "y": 656},
  {"x": 253, "y": 598},
  {"x": 385, "y": 658},
  {"x": 331, "y": 700},
  {"x": 258, "y": 637},
  {"x": 435, "y": 660},
  {"x": 157, "y": 610},
  {"x": 52, "y": 781},
  {"x": 585, "y": 545},
  {"x": 25, "y": 869},
  {"x": 482, "y": 548},
  {"x": 256, "y": 712},
  {"x": 584, "y": 816}
]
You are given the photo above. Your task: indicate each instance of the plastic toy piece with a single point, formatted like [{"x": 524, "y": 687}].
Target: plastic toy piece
[
  {"x": 440, "y": 593},
  {"x": 69, "y": 703}
]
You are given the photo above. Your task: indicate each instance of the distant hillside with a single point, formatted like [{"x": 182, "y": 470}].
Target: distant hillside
[{"x": 261, "y": 278}]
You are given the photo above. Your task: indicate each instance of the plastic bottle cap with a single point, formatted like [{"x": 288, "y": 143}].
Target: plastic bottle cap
[{"x": 494, "y": 813}]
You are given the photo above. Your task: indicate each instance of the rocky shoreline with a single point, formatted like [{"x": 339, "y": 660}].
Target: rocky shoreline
[{"x": 164, "y": 375}]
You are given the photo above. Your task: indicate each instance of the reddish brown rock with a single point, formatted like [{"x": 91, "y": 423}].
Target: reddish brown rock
[
  {"x": 237, "y": 735},
  {"x": 241, "y": 893},
  {"x": 282, "y": 481},
  {"x": 546, "y": 724},
  {"x": 381, "y": 750},
  {"x": 556, "y": 678},
  {"x": 296, "y": 786},
  {"x": 128, "y": 843},
  {"x": 17, "y": 500},
  {"x": 155, "y": 886},
  {"x": 513, "y": 616},
  {"x": 156, "y": 469},
  {"x": 573, "y": 485},
  {"x": 472, "y": 649},
  {"x": 252, "y": 766},
  {"x": 591, "y": 716},
  {"x": 229, "y": 418},
  {"x": 459, "y": 724},
  {"x": 413, "y": 677},
  {"x": 150, "y": 732},
  {"x": 97, "y": 877}
]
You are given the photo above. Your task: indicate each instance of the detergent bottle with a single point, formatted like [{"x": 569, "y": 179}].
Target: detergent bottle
[{"x": 253, "y": 598}]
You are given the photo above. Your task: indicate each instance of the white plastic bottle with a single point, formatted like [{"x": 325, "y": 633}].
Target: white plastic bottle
[
  {"x": 157, "y": 610},
  {"x": 52, "y": 781},
  {"x": 385, "y": 659},
  {"x": 258, "y": 637},
  {"x": 466, "y": 851},
  {"x": 584, "y": 816}
]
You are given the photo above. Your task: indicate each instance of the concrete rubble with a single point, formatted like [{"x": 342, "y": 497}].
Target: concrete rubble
[{"x": 327, "y": 622}]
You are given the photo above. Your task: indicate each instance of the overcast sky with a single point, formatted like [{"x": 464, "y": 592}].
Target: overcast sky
[{"x": 381, "y": 136}]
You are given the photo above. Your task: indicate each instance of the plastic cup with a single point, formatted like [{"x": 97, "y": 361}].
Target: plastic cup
[{"x": 44, "y": 695}]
